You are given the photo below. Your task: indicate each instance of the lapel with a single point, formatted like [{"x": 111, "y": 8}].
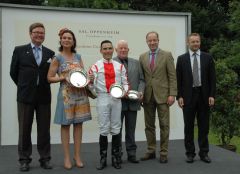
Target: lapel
[
  {"x": 43, "y": 55},
  {"x": 119, "y": 61},
  {"x": 30, "y": 51},
  {"x": 129, "y": 65},
  {"x": 158, "y": 57},
  {"x": 146, "y": 62},
  {"x": 188, "y": 63},
  {"x": 201, "y": 64}
]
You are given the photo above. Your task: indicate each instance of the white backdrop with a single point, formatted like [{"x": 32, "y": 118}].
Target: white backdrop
[{"x": 90, "y": 28}]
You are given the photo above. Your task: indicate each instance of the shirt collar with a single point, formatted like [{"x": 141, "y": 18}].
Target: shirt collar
[
  {"x": 153, "y": 52},
  {"x": 197, "y": 52},
  {"x": 106, "y": 61},
  {"x": 32, "y": 45},
  {"x": 122, "y": 60}
]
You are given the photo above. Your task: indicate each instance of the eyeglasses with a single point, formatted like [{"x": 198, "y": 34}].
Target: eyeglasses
[{"x": 38, "y": 33}]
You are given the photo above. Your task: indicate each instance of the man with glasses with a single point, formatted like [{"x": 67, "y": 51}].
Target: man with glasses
[
  {"x": 106, "y": 73},
  {"x": 29, "y": 68}
]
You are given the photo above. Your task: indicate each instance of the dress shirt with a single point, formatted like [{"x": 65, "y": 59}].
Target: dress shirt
[{"x": 199, "y": 64}]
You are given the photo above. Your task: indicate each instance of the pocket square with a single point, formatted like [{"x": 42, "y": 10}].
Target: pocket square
[{"x": 49, "y": 60}]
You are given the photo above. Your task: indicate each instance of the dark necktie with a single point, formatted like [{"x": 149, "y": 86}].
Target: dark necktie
[
  {"x": 196, "y": 81},
  {"x": 125, "y": 63},
  {"x": 152, "y": 61}
]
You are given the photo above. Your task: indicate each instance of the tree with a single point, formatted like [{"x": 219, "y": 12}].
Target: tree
[
  {"x": 26, "y": 2},
  {"x": 225, "y": 120},
  {"x": 226, "y": 114},
  {"x": 70, "y": 3}
]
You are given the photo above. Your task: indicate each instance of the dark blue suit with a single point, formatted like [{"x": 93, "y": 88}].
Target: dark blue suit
[
  {"x": 33, "y": 94},
  {"x": 196, "y": 99}
]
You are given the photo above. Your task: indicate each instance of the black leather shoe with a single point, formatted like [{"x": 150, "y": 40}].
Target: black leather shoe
[
  {"x": 163, "y": 159},
  {"x": 46, "y": 165},
  {"x": 24, "y": 167},
  {"x": 132, "y": 159},
  {"x": 148, "y": 156},
  {"x": 189, "y": 159},
  {"x": 205, "y": 159}
]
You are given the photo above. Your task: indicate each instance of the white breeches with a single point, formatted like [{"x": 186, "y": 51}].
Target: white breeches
[{"x": 109, "y": 114}]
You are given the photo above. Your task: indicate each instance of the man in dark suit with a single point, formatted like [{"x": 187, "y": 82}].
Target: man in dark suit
[
  {"x": 160, "y": 91},
  {"x": 29, "y": 68},
  {"x": 130, "y": 107},
  {"x": 196, "y": 92}
]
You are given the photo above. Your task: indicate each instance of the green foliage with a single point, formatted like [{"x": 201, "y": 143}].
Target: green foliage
[
  {"x": 234, "y": 24},
  {"x": 234, "y": 59},
  {"x": 221, "y": 48},
  {"x": 26, "y": 2},
  {"x": 225, "y": 120},
  {"x": 70, "y": 3},
  {"x": 105, "y": 4},
  {"x": 95, "y": 4},
  {"x": 226, "y": 114}
]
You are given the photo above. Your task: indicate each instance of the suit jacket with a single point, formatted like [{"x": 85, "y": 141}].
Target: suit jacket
[
  {"x": 162, "y": 80},
  {"x": 185, "y": 78},
  {"x": 24, "y": 71},
  {"x": 136, "y": 82}
]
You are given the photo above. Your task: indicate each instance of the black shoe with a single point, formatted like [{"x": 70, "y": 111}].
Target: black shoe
[
  {"x": 116, "y": 162},
  {"x": 46, "y": 165},
  {"x": 205, "y": 159},
  {"x": 163, "y": 159},
  {"x": 189, "y": 159},
  {"x": 24, "y": 167},
  {"x": 103, "y": 164},
  {"x": 132, "y": 159},
  {"x": 148, "y": 156}
]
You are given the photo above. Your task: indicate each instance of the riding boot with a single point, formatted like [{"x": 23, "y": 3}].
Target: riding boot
[
  {"x": 103, "y": 142},
  {"x": 116, "y": 151}
]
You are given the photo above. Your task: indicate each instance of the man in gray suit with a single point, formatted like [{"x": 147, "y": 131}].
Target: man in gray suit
[{"x": 130, "y": 107}]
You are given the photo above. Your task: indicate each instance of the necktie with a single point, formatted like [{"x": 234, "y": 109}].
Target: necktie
[
  {"x": 36, "y": 55},
  {"x": 152, "y": 61},
  {"x": 125, "y": 63},
  {"x": 196, "y": 81}
]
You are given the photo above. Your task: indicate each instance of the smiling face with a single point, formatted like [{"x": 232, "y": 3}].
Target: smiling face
[
  {"x": 194, "y": 42},
  {"x": 67, "y": 40},
  {"x": 107, "y": 51},
  {"x": 152, "y": 41},
  {"x": 122, "y": 49},
  {"x": 37, "y": 35}
]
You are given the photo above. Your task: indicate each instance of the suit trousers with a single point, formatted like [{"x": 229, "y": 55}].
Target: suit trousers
[
  {"x": 130, "y": 118},
  {"x": 197, "y": 108},
  {"x": 150, "y": 129},
  {"x": 25, "y": 120}
]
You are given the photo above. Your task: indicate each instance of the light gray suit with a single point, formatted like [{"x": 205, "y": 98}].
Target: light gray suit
[{"x": 130, "y": 107}]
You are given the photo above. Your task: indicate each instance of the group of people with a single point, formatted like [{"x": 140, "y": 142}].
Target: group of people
[{"x": 154, "y": 77}]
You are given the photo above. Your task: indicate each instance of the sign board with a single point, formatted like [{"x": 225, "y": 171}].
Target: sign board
[{"x": 90, "y": 27}]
